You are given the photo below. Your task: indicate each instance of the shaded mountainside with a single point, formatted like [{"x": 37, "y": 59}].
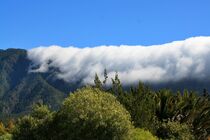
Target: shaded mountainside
[{"x": 20, "y": 90}]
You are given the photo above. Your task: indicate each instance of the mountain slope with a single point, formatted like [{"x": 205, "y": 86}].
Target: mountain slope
[
  {"x": 13, "y": 68},
  {"x": 19, "y": 90},
  {"x": 33, "y": 89}
]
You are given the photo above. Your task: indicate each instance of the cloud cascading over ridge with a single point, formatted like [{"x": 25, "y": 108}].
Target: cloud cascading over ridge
[{"x": 187, "y": 59}]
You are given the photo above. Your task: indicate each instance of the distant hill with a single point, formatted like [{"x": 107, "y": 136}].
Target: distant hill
[{"x": 19, "y": 89}]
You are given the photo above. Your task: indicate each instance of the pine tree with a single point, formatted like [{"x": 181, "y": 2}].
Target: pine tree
[
  {"x": 116, "y": 85},
  {"x": 97, "y": 82},
  {"x": 105, "y": 76}
]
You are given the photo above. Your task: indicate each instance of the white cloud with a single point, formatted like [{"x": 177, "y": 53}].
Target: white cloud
[{"x": 174, "y": 61}]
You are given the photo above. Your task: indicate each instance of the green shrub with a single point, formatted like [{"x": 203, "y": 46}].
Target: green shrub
[
  {"x": 6, "y": 136},
  {"x": 90, "y": 113},
  {"x": 141, "y": 134},
  {"x": 33, "y": 126},
  {"x": 175, "y": 131}
]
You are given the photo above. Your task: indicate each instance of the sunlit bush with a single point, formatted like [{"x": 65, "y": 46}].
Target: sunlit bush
[
  {"x": 141, "y": 134},
  {"x": 6, "y": 136},
  {"x": 92, "y": 114}
]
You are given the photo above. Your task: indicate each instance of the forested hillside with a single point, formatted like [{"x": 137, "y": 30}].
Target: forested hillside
[
  {"x": 19, "y": 89},
  {"x": 100, "y": 113}
]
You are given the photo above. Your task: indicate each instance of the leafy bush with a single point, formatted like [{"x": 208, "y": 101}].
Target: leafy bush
[
  {"x": 33, "y": 126},
  {"x": 90, "y": 113},
  {"x": 25, "y": 128},
  {"x": 141, "y": 134},
  {"x": 6, "y": 136},
  {"x": 175, "y": 131}
]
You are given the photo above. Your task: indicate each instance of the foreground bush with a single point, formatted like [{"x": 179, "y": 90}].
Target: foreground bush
[
  {"x": 33, "y": 126},
  {"x": 6, "y": 136},
  {"x": 91, "y": 114},
  {"x": 175, "y": 131},
  {"x": 141, "y": 134}
]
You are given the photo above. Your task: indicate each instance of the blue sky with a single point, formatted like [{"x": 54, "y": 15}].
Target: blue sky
[{"x": 87, "y": 23}]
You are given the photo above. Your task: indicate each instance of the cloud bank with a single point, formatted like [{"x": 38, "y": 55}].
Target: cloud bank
[{"x": 178, "y": 60}]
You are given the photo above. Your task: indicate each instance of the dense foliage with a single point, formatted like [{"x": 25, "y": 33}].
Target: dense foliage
[
  {"x": 89, "y": 113},
  {"x": 174, "y": 131},
  {"x": 141, "y": 134},
  {"x": 92, "y": 114},
  {"x": 163, "y": 112},
  {"x": 34, "y": 126}
]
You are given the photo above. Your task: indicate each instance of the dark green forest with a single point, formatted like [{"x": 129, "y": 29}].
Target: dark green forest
[
  {"x": 112, "y": 112},
  {"x": 39, "y": 106}
]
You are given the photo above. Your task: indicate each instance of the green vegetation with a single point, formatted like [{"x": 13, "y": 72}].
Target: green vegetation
[
  {"x": 6, "y": 137},
  {"x": 141, "y": 134},
  {"x": 164, "y": 113},
  {"x": 34, "y": 126},
  {"x": 92, "y": 114},
  {"x": 89, "y": 113},
  {"x": 135, "y": 114},
  {"x": 174, "y": 131}
]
